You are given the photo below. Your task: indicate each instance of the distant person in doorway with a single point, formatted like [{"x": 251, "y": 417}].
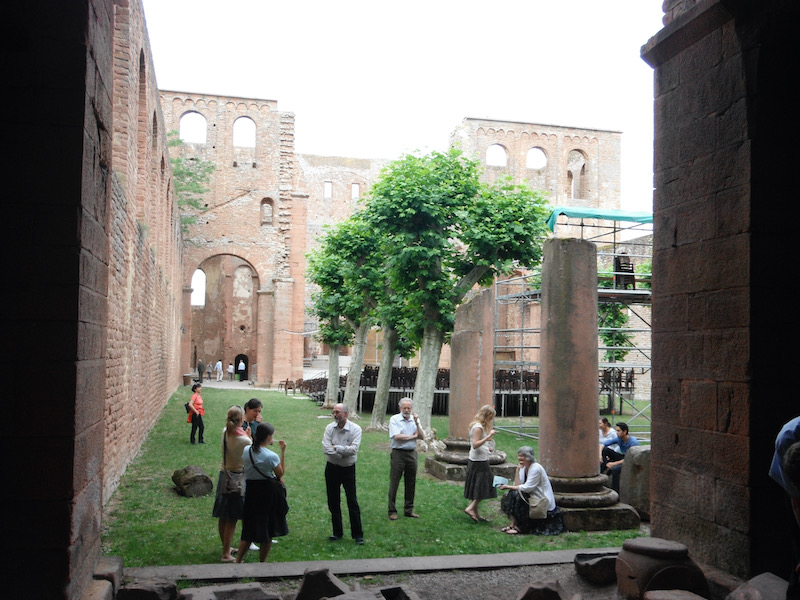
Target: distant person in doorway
[
  {"x": 241, "y": 368},
  {"x": 230, "y": 371},
  {"x": 404, "y": 431},
  {"x": 478, "y": 484},
  {"x": 196, "y": 412},
  {"x": 218, "y": 369},
  {"x": 785, "y": 470},
  {"x": 201, "y": 368}
]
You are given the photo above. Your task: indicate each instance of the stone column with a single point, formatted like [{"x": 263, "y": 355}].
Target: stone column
[
  {"x": 568, "y": 401},
  {"x": 471, "y": 386},
  {"x": 568, "y": 406}
]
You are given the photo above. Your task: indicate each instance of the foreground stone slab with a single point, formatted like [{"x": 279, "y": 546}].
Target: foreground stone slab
[
  {"x": 320, "y": 583},
  {"x": 239, "y": 591},
  {"x": 545, "y": 590},
  {"x": 766, "y": 586},
  {"x": 599, "y": 569},
  {"x": 646, "y": 564},
  {"x": 149, "y": 589},
  {"x": 604, "y": 518}
]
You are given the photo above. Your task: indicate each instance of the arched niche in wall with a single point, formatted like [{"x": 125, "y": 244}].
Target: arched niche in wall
[
  {"x": 576, "y": 174},
  {"x": 267, "y": 211}
]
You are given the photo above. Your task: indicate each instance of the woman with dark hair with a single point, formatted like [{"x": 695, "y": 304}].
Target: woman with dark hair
[
  {"x": 531, "y": 484},
  {"x": 228, "y": 505},
  {"x": 196, "y": 412},
  {"x": 252, "y": 416},
  {"x": 265, "y": 505},
  {"x": 478, "y": 482}
]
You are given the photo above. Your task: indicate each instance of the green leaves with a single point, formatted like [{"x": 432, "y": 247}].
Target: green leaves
[{"x": 190, "y": 176}]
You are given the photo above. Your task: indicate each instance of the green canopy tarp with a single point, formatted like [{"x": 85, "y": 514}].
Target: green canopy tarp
[{"x": 608, "y": 214}]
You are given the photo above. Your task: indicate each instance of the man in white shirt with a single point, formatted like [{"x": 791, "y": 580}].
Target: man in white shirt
[
  {"x": 340, "y": 444},
  {"x": 404, "y": 431}
]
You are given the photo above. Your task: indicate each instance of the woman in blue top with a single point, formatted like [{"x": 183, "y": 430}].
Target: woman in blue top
[{"x": 265, "y": 505}]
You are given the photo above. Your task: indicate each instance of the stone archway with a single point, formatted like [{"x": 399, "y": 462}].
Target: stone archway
[{"x": 225, "y": 326}]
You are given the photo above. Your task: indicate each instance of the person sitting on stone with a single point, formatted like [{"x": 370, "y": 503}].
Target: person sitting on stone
[
  {"x": 607, "y": 432},
  {"x": 611, "y": 460}
]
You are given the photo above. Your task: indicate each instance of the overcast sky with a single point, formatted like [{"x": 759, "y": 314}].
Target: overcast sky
[{"x": 376, "y": 79}]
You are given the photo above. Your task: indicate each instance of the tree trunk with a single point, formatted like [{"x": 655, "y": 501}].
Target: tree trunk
[
  {"x": 357, "y": 362},
  {"x": 425, "y": 385},
  {"x": 332, "y": 391},
  {"x": 378, "y": 420}
]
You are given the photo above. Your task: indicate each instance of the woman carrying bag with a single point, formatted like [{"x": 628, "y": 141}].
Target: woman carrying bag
[
  {"x": 265, "y": 505},
  {"x": 530, "y": 504},
  {"x": 229, "y": 500}
]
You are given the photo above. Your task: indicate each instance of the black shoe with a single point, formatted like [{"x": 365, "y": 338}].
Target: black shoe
[
  {"x": 201, "y": 442},
  {"x": 334, "y": 538},
  {"x": 360, "y": 541}
]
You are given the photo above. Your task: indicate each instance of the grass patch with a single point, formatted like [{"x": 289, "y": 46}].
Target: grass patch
[{"x": 148, "y": 524}]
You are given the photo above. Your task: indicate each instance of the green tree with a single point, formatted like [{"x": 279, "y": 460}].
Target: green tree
[
  {"x": 348, "y": 268},
  {"x": 447, "y": 231},
  {"x": 191, "y": 177}
]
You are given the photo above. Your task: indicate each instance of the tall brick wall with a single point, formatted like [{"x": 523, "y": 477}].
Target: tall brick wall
[
  {"x": 144, "y": 257},
  {"x": 94, "y": 322},
  {"x": 720, "y": 393}
]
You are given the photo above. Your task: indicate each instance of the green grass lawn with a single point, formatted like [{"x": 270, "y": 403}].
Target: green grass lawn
[{"x": 147, "y": 523}]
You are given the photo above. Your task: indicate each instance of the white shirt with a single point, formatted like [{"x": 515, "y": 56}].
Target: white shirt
[
  {"x": 397, "y": 424},
  {"x": 340, "y": 444}
]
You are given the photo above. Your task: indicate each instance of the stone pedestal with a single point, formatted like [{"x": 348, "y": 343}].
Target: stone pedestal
[
  {"x": 587, "y": 504},
  {"x": 646, "y": 564},
  {"x": 450, "y": 463}
]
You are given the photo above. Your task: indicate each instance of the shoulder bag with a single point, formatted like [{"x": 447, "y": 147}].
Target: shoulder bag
[
  {"x": 537, "y": 507},
  {"x": 230, "y": 482}
]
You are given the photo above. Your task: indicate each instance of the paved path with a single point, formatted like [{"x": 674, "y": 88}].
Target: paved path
[{"x": 226, "y": 573}]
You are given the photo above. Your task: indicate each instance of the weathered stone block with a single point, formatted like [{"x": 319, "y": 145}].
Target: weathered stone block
[
  {"x": 192, "y": 481},
  {"x": 634, "y": 485}
]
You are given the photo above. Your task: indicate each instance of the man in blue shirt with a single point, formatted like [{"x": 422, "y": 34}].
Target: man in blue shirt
[{"x": 611, "y": 460}]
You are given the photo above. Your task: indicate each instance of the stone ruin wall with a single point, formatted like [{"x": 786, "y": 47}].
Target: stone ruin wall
[
  {"x": 600, "y": 151},
  {"x": 145, "y": 253},
  {"x": 254, "y": 218}
]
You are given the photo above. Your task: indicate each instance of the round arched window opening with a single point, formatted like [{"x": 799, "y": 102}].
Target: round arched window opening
[
  {"x": 536, "y": 159},
  {"x": 496, "y": 156}
]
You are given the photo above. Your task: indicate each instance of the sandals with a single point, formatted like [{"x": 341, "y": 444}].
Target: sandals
[
  {"x": 227, "y": 559},
  {"x": 512, "y": 531},
  {"x": 506, "y": 528},
  {"x": 471, "y": 516}
]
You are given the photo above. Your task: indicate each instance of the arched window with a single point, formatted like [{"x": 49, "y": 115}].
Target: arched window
[
  {"x": 496, "y": 156},
  {"x": 576, "y": 174},
  {"x": 193, "y": 128},
  {"x": 198, "y": 288},
  {"x": 267, "y": 210},
  {"x": 244, "y": 132},
  {"x": 536, "y": 159}
]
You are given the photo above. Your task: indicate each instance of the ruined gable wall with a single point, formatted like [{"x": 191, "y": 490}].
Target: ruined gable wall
[
  {"x": 253, "y": 213},
  {"x": 601, "y": 151}
]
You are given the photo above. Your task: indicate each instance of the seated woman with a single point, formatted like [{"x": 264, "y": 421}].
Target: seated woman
[{"x": 530, "y": 483}]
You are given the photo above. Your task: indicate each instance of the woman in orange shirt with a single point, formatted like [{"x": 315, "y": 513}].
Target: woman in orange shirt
[{"x": 196, "y": 412}]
